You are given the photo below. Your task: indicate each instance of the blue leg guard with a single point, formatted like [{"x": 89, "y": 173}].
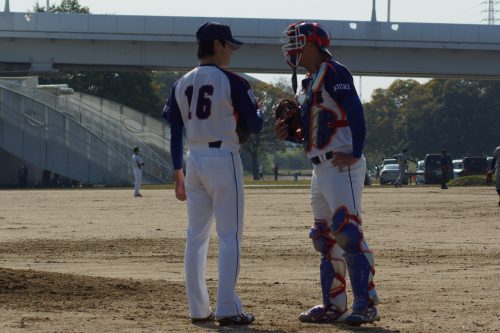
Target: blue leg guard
[
  {"x": 332, "y": 267},
  {"x": 327, "y": 275},
  {"x": 358, "y": 258}
]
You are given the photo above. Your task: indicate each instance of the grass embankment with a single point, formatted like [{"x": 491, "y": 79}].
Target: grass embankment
[{"x": 477, "y": 180}]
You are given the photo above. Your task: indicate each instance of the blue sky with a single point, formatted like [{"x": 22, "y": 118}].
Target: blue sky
[{"x": 442, "y": 11}]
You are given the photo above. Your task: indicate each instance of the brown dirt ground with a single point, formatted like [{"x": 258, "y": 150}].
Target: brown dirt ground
[{"x": 102, "y": 261}]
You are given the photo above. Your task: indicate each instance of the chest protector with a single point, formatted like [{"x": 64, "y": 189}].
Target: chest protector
[{"x": 318, "y": 122}]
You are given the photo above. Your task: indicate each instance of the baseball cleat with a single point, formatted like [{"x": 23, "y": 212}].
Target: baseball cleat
[
  {"x": 367, "y": 316},
  {"x": 320, "y": 314},
  {"x": 211, "y": 317},
  {"x": 241, "y": 319}
]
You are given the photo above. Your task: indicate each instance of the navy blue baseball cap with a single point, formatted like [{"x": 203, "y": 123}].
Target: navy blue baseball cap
[{"x": 211, "y": 31}]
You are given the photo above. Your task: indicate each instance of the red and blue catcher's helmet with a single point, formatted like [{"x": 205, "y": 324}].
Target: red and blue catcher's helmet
[{"x": 297, "y": 34}]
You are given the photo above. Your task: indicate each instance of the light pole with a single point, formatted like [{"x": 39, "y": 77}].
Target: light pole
[
  {"x": 48, "y": 4},
  {"x": 374, "y": 13},
  {"x": 6, "y": 9},
  {"x": 388, "y": 10}
]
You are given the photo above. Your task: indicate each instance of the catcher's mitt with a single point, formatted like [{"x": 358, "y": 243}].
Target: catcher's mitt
[
  {"x": 489, "y": 178},
  {"x": 287, "y": 109}
]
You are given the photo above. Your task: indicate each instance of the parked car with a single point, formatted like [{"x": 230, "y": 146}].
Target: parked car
[
  {"x": 489, "y": 159},
  {"x": 389, "y": 161},
  {"x": 474, "y": 166},
  {"x": 432, "y": 169},
  {"x": 389, "y": 174},
  {"x": 420, "y": 172},
  {"x": 457, "y": 168}
]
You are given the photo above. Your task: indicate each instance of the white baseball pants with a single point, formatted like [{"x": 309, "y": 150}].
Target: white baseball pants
[
  {"x": 214, "y": 187},
  {"x": 137, "y": 181},
  {"x": 331, "y": 189}
]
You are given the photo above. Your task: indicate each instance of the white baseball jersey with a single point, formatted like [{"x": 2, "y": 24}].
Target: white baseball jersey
[
  {"x": 137, "y": 162},
  {"x": 324, "y": 121},
  {"x": 206, "y": 98}
]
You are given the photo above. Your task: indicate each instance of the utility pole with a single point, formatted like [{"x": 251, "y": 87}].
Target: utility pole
[
  {"x": 48, "y": 6},
  {"x": 374, "y": 12},
  {"x": 491, "y": 11},
  {"x": 7, "y": 8}
]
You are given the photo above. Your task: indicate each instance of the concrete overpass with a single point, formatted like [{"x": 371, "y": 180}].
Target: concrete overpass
[{"x": 44, "y": 42}]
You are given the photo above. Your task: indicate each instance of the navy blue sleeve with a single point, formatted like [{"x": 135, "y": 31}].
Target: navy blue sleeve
[
  {"x": 339, "y": 84},
  {"x": 244, "y": 103},
  {"x": 172, "y": 114},
  {"x": 493, "y": 162}
]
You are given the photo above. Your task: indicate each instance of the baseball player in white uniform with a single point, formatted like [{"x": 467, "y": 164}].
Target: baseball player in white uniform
[
  {"x": 208, "y": 102},
  {"x": 137, "y": 164},
  {"x": 332, "y": 131},
  {"x": 402, "y": 160},
  {"x": 495, "y": 168}
]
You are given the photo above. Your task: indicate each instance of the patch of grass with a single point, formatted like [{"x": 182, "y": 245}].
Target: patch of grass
[{"x": 477, "y": 180}]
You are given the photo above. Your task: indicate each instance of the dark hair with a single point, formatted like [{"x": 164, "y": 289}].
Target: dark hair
[{"x": 206, "y": 49}]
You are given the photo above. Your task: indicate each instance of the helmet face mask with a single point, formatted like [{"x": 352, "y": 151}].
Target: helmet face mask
[{"x": 297, "y": 35}]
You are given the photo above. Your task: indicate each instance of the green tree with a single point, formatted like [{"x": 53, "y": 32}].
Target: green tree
[
  {"x": 66, "y": 6},
  {"x": 385, "y": 116},
  {"x": 456, "y": 114},
  {"x": 259, "y": 145}
]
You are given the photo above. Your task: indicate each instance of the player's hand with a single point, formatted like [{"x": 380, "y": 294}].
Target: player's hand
[
  {"x": 343, "y": 160},
  {"x": 281, "y": 129},
  {"x": 258, "y": 104},
  {"x": 180, "y": 189}
]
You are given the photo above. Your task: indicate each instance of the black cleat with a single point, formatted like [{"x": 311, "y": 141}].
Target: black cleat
[
  {"x": 368, "y": 316},
  {"x": 211, "y": 317},
  {"x": 322, "y": 314},
  {"x": 241, "y": 319}
]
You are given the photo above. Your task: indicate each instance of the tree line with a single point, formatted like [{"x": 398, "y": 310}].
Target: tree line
[{"x": 462, "y": 116}]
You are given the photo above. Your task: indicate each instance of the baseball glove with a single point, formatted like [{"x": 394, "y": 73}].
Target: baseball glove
[
  {"x": 489, "y": 178},
  {"x": 287, "y": 110}
]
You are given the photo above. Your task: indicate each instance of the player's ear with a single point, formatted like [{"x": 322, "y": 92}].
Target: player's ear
[{"x": 217, "y": 45}]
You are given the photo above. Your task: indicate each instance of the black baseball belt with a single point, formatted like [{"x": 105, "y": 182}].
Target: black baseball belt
[
  {"x": 323, "y": 157},
  {"x": 215, "y": 144}
]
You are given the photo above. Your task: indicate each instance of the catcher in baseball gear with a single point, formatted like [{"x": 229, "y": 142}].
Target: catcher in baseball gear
[{"x": 287, "y": 110}]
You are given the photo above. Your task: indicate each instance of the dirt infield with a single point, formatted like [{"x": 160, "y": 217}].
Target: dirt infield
[{"x": 102, "y": 261}]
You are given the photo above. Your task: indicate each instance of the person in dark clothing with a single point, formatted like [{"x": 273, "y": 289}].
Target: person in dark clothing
[
  {"x": 22, "y": 175},
  {"x": 446, "y": 166}
]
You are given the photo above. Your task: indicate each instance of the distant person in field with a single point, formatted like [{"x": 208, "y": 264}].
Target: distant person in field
[
  {"x": 402, "y": 159},
  {"x": 446, "y": 166},
  {"x": 137, "y": 164}
]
